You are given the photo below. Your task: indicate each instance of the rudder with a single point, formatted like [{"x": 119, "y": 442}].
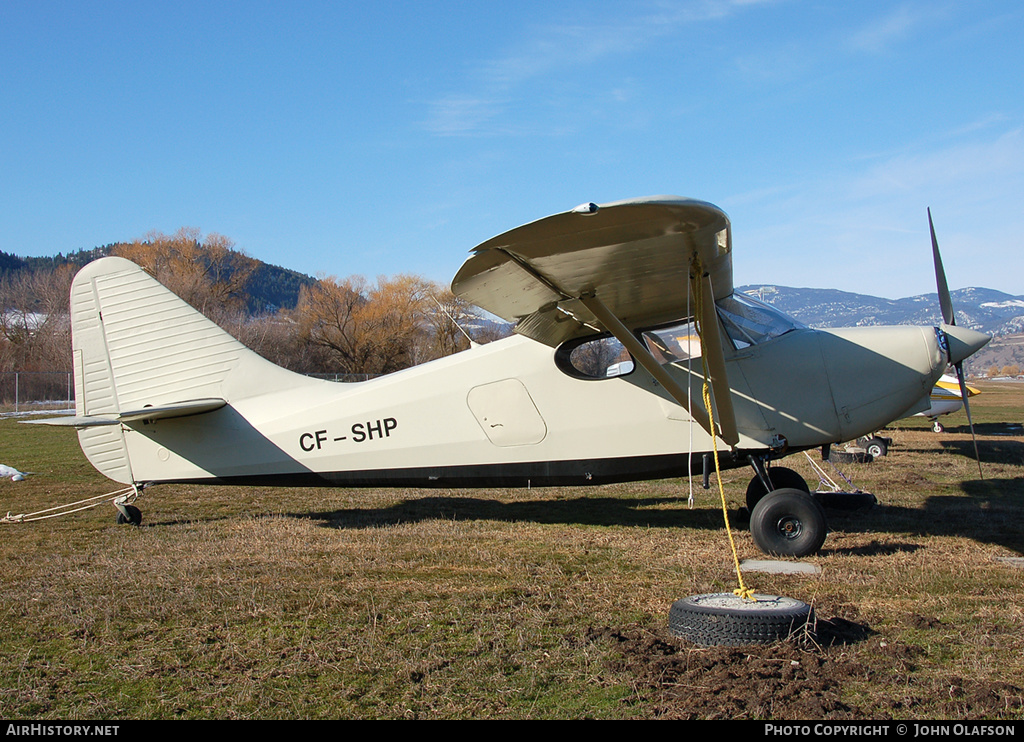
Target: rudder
[{"x": 136, "y": 344}]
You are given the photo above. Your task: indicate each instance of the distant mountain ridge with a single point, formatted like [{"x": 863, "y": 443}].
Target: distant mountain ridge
[
  {"x": 270, "y": 288},
  {"x": 987, "y": 310}
]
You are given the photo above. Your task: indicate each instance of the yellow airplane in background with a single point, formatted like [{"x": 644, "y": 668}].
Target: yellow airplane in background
[{"x": 945, "y": 399}]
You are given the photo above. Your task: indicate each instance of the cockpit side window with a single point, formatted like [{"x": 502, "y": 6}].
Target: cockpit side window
[
  {"x": 673, "y": 343},
  {"x": 748, "y": 321}
]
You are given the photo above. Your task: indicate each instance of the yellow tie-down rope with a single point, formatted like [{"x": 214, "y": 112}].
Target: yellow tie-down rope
[{"x": 697, "y": 287}]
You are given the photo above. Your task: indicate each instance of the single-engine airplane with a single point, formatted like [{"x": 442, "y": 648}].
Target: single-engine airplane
[{"x": 620, "y": 310}]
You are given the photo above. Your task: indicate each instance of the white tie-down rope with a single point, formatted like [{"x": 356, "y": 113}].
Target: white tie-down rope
[{"x": 128, "y": 494}]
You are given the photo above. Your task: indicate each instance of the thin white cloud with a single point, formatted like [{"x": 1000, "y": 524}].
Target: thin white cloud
[
  {"x": 985, "y": 164},
  {"x": 564, "y": 49},
  {"x": 890, "y": 29},
  {"x": 456, "y": 115}
]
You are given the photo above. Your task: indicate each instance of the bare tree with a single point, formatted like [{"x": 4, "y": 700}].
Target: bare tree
[
  {"x": 208, "y": 273},
  {"x": 349, "y": 325},
  {"x": 364, "y": 327},
  {"x": 35, "y": 334},
  {"x": 446, "y": 320}
]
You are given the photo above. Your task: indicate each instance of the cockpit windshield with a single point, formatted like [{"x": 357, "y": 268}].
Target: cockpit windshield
[{"x": 748, "y": 321}]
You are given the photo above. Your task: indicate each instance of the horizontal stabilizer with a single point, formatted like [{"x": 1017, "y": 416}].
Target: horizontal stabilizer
[
  {"x": 74, "y": 421},
  {"x": 161, "y": 412},
  {"x": 175, "y": 409}
]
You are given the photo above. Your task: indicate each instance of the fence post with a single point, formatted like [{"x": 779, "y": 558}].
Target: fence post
[{"x": 40, "y": 386}]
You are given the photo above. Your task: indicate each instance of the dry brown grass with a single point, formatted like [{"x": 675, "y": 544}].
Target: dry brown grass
[{"x": 283, "y": 603}]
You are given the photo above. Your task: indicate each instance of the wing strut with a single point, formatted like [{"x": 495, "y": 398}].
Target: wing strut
[
  {"x": 640, "y": 352},
  {"x": 711, "y": 343}
]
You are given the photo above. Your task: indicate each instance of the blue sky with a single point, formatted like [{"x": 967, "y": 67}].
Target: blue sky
[{"x": 377, "y": 138}]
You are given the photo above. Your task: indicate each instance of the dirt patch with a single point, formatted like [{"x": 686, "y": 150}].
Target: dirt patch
[{"x": 802, "y": 678}]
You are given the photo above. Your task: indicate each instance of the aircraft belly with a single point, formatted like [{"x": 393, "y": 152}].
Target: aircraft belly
[
  {"x": 427, "y": 442},
  {"x": 942, "y": 408}
]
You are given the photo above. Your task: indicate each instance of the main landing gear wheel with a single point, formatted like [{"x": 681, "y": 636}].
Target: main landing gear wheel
[
  {"x": 726, "y": 620},
  {"x": 788, "y": 522},
  {"x": 130, "y": 515},
  {"x": 781, "y": 478}
]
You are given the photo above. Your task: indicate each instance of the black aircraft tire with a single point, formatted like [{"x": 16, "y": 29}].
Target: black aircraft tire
[
  {"x": 134, "y": 516},
  {"x": 847, "y": 457},
  {"x": 877, "y": 448},
  {"x": 781, "y": 477},
  {"x": 726, "y": 620},
  {"x": 788, "y": 522}
]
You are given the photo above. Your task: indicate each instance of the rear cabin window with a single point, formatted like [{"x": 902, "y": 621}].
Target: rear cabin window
[{"x": 600, "y": 357}]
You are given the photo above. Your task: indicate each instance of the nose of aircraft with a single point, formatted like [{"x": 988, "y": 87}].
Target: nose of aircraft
[
  {"x": 875, "y": 373},
  {"x": 963, "y": 342}
]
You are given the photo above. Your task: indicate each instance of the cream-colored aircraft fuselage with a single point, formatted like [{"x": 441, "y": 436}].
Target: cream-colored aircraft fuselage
[{"x": 164, "y": 395}]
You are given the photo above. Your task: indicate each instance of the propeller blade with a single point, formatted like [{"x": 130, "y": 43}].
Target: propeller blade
[
  {"x": 945, "y": 303},
  {"x": 970, "y": 343},
  {"x": 967, "y": 408}
]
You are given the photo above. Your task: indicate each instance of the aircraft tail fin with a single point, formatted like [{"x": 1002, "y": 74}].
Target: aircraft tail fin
[{"x": 136, "y": 345}]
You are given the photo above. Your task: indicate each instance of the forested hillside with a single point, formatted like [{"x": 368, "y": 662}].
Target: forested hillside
[{"x": 270, "y": 287}]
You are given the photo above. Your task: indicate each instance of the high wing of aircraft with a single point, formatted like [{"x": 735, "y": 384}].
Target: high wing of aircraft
[{"x": 621, "y": 312}]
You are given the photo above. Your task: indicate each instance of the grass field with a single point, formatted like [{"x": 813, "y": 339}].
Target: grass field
[{"x": 541, "y": 603}]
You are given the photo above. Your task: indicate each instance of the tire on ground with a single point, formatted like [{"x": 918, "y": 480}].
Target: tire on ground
[
  {"x": 850, "y": 457},
  {"x": 134, "y": 516},
  {"x": 725, "y": 620},
  {"x": 876, "y": 447}
]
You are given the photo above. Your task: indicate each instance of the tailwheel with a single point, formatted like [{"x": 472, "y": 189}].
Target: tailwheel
[
  {"x": 129, "y": 514},
  {"x": 788, "y": 522}
]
